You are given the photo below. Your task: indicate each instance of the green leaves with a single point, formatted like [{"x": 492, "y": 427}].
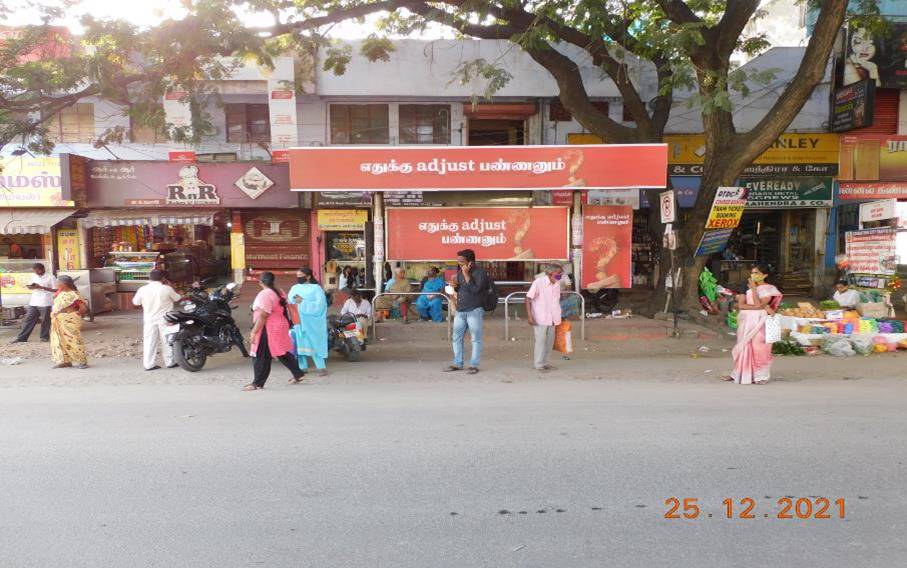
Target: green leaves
[{"x": 486, "y": 76}]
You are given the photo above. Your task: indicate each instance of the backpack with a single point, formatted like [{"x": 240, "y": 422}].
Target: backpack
[{"x": 491, "y": 294}]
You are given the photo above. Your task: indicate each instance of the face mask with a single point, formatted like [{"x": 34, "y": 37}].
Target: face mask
[
  {"x": 558, "y": 276},
  {"x": 302, "y": 280},
  {"x": 758, "y": 277}
]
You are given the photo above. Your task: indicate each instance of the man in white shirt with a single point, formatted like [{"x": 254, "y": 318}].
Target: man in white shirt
[
  {"x": 846, "y": 297},
  {"x": 43, "y": 286},
  {"x": 156, "y": 299},
  {"x": 357, "y": 306}
]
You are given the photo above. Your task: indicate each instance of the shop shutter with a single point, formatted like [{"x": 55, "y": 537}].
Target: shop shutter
[{"x": 885, "y": 120}]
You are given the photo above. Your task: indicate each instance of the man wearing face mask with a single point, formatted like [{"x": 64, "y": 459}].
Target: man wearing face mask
[{"x": 543, "y": 307}]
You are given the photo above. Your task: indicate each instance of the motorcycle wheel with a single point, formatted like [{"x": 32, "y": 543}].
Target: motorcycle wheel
[
  {"x": 353, "y": 351},
  {"x": 187, "y": 357}
]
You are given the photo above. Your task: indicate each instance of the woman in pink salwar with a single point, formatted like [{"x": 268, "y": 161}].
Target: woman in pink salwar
[
  {"x": 271, "y": 334},
  {"x": 752, "y": 355}
]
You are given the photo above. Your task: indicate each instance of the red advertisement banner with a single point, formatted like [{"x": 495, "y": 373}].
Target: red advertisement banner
[
  {"x": 494, "y": 233},
  {"x": 850, "y": 190},
  {"x": 479, "y": 167},
  {"x": 607, "y": 247}
]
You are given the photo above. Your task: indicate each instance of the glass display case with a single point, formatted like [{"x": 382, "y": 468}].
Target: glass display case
[
  {"x": 15, "y": 274},
  {"x": 132, "y": 268}
]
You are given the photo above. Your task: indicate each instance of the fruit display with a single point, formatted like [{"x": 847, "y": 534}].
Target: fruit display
[{"x": 803, "y": 310}]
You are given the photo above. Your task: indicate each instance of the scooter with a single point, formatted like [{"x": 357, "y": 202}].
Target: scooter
[
  {"x": 203, "y": 326},
  {"x": 346, "y": 335}
]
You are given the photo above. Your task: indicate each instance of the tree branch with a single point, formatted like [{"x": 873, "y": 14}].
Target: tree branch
[
  {"x": 679, "y": 12},
  {"x": 733, "y": 21}
]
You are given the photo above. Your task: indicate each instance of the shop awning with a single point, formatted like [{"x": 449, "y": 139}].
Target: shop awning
[
  {"x": 24, "y": 221},
  {"x": 150, "y": 217}
]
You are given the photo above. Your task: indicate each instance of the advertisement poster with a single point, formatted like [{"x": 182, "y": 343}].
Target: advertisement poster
[
  {"x": 238, "y": 250},
  {"x": 68, "y": 249},
  {"x": 873, "y": 167},
  {"x": 880, "y": 58},
  {"x": 28, "y": 181},
  {"x": 345, "y": 246},
  {"x": 713, "y": 241},
  {"x": 788, "y": 193},
  {"x": 342, "y": 219},
  {"x": 610, "y": 166},
  {"x": 853, "y": 106},
  {"x": 872, "y": 251},
  {"x": 276, "y": 239},
  {"x": 15, "y": 282},
  {"x": 727, "y": 208},
  {"x": 608, "y": 247},
  {"x": 494, "y": 233}
]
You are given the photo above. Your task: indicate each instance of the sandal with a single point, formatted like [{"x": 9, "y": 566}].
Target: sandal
[
  {"x": 472, "y": 370},
  {"x": 451, "y": 368},
  {"x": 61, "y": 365},
  {"x": 727, "y": 379},
  {"x": 297, "y": 380},
  {"x": 550, "y": 368},
  {"x": 251, "y": 387}
]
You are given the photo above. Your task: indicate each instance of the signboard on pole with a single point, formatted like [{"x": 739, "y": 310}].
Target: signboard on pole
[
  {"x": 727, "y": 208},
  {"x": 713, "y": 241},
  {"x": 872, "y": 251},
  {"x": 667, "y": 207}
]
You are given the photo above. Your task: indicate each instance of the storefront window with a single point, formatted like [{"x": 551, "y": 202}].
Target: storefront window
[
  {"x": 425, "y": 124},
  {"x": 359, "y": 124},
  {"x": 73, "y": 124},
  {"x": 345, "y": 246},
  {"x": 248, "y": 123}
]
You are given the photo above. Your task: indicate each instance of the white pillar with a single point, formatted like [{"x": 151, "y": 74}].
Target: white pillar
[
  {"x": 577, "y": 240},
  {"x": 378, "y": 255}
]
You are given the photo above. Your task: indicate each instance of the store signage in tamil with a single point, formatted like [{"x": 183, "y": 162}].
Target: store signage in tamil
[
  {"x": 792, "y": 154},
  {"x": 727, "y": 208},
  {"x": 29, "y": 181},
  {"x": 787, "y": 193},
  {"x": 190, "y": 190},
  {"x": 872, "y": 251},
  {"x": 607, "y": 247},
  {"x": 610, "y": 166},
  {"x": 494, "y": 233},
  {"x": 878, "y": 210},
  {"x": 853, "y": 106},
  {"x": 852, "y": 191},
  {"x": 342, "y": 219}
]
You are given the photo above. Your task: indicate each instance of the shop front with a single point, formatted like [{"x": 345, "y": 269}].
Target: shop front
[
  {"x": 35, "y": 200},
  {"x": 198, "y": 222},
  {"x": 342, "y": 223},
  {"x": 428, "y": 203}
]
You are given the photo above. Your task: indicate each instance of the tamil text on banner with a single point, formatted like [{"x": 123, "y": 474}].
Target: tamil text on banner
[
  {"x": 607, "y": 247},
  {"x": 342, "y": 219},
  {"x": 788, "y": 193},
  {"x": 876, "y": 211},
  {"x": 494, "y": 233},
  {"x": 872, "y": 251},
  {"x": 68, "y": 249},
  {"x": 712, "y": 241},
  {"x": 727, "y": 208},
  {"x": 478, "y": 167},
  {"x": 29, "y": 181}
]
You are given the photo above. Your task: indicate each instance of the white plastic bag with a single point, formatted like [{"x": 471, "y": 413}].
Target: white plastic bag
[{"x": 772, "y": 329}]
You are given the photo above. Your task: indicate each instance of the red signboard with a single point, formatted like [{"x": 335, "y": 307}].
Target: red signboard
[
  {"x": 185, "y": 157},
  {"x": 479, "y": 167},
  {"x": 494, "y": 233},
  {"x": 280, "y": 156},
  {"x": 276, "y": 239},
  {"x": 851, "y": 190},
  {"x": 607, "y": 246}
]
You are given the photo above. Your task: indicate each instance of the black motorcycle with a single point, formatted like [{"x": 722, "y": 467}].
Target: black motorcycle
[
  {"x": 601, "y": 301},
  {"x": 346, "y": 336},
  {"x": 204, "y": 326}
]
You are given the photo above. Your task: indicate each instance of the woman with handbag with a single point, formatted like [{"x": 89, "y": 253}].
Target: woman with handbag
[
  {"x": 271, "y": 334},
  {"x": 67, "y": 348},
  {"x": 752, "y": 352}
]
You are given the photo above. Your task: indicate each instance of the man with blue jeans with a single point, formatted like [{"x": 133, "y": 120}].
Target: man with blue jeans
[{"x": 471, "y": 285}]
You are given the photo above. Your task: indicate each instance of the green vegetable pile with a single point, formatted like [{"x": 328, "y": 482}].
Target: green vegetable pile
[
  {"x": 787, "y": 348},
  {"x": 825, "y": 305}
]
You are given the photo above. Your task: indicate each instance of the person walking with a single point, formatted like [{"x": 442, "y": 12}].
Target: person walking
[
  {"x": 67, "y": 348},
  {"x": 471, "y": 285},
  {"x": 156, "y": 300},
  {"x": 271, "y": 334},
  {"x": 42, "y": 286},
  {"x": 310, "y": 329},
  {"x": 543, "y": 308},
  {"x": 752, "y": 354}
]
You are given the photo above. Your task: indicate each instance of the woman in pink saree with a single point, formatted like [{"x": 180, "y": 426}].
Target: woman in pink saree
[{"x": 752, "y": 355}]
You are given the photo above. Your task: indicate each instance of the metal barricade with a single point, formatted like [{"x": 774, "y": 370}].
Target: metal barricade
[
  {"x": 582, "y": 312},
  {"x": 375, "y": 300}
]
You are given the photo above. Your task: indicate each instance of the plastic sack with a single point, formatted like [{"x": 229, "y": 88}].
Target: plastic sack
[
  {"x": 708, "y": 285},
  {"x": 837, "y": 346},
  {"x": 862, "y": 344},
  {"x": 563, "y": 338},
  {"x": 732, "y": 320}
]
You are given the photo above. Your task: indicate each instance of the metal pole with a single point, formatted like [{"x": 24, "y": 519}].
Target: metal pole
[{"x": 674, "y": 293}]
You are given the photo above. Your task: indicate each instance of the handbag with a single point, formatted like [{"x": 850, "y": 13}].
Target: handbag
[{"x": 772, "y": 329}]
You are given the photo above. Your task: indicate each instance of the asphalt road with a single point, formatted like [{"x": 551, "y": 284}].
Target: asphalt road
[{"x": 553, "y": 473}]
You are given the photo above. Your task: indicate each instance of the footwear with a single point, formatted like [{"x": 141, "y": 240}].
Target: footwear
[
  {"x": 251, "y": 387},
  {"x": 61, "y": 365},
  {"x": 173, "y": 366},
  {"x": 82, "y": 366},
  {"x": 155, "y": 368},
  {"x": 542, "y": 369},
  {"x": 45, "y": 340},
  {"x": 321, "y": 372},
  {"x": 297, "y": 380},
  {"x": 451, "y": 368},
  {"x": 472, "y": 370},
  {"x": 17, "y": 341}
]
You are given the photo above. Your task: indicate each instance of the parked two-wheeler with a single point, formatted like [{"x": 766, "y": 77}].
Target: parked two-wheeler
[
  {"x": 346, "y": 335},
  {"x": 204, "y": 325},
  {"x": 601, "y": 301}
]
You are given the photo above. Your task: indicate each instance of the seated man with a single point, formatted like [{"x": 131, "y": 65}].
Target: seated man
[
  {"x": 358, "y": 306},
  {"x": 429, "y": 307},
  {"x": 847, "y": 298}
]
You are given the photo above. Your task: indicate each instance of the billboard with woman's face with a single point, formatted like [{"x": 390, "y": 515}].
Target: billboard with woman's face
[{"x": 880, "y": 57}]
